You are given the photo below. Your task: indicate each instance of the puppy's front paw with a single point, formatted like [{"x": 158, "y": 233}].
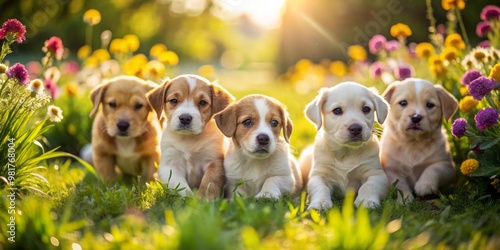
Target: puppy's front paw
[
  {"x": 267, "y": 195},
  {"x": 423, "y": 188},
  {"x": 366, "y": 202},
  {"x": 320, "y": 205}
]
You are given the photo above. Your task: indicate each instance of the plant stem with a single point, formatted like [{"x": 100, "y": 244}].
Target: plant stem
[{"x": 462, "y": 27}]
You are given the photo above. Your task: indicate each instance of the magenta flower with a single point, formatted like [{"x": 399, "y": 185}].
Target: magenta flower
[
  {"x": 484, "y": 44},
  {"x": 55, "y": 46},
  {"x": 483, "y": 28},
  {"x": 392, "y": 45},
  {"x": 459, "y": 127},
  {"x": 14, "y": 27},
  {"x": 477, "y": 149},
  {"x": 52, "y": 88},
  {"x": 486, "y": 118},
  {"x": 470, "y": 76},
  {"x": 403, "y": 72},
  {"x": 377, "y": 44},
  {"x": 18, "y": 72},
  {"x": 376, "y": 69},
  {"x": 490, "y": 12},
  {"x": 480, "y": 87}
]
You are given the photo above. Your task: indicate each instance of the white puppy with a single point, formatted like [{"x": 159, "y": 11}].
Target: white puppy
[
  {"x": 257, "y": 157},
  {"x": 192, "y": 148},
  {"x": 346, "y": 152}
]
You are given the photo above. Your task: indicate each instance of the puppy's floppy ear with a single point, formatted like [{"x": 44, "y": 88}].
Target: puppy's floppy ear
[
  {"x": 226, "y": 121},
  {"x": 156, "y": 97},
  {"x": 96, "y": 96},
  {"x": 449, "y": 104},
  {"x": 381, "y": 106},
  {"x": 220, "y": 98},
  {"x": 389, "y": 91},
  {"x": 313, "y": 109},
  {"x": 287, "y": 124}
]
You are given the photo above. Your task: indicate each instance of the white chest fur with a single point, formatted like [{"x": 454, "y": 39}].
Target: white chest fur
[{"x": 126, "y": 157}]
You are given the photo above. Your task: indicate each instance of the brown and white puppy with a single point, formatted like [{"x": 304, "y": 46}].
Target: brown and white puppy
[
  {"x": 192, "y": 148},
  {"x": 258, "y": 162},
  {"x": 414, "y": 146},
  {"x": 126, "y": 132},
  {"x": 346, "y": 152}
]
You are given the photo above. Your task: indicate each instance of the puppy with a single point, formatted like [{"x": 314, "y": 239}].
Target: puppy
[
  {"x": 346, "y": 152},
  {"x": 414, "y": 146},
  {"x": 192, "y": 147},
  {"x": 126, "y": 133},
  {"x": 258, "y": 162}
]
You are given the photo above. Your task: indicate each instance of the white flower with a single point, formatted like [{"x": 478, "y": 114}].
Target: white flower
[
  {"x": 53, "y": 74},
  {"x": 36, "y": 86},
  {"x": 54, "y": 113}
]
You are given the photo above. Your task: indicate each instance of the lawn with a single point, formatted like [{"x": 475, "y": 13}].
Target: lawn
[{"x": 51, "y": 199}]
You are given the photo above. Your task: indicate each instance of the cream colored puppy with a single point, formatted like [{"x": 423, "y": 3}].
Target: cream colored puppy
[
  {"x": 258, "y": 162},
  {"x": 192, "y": 148},
  {"x": 415, "y": 149},
  {"x": 346, "y": 152},
  {"x": 126, "y": 133}
]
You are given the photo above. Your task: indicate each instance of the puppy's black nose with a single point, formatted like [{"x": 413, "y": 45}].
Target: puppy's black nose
[
  {"x": 185, "y": 119},
  {"x": 263, "y": 139},
  {"x": 355, "y": 129},
  {"x": 123, "y": 126},
  {"x": 416, "y": 118}
]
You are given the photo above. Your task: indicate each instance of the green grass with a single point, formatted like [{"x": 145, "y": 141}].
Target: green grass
[{"x": 78, "y": 209}]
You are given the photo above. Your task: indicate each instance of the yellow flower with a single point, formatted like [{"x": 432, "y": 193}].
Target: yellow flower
[
  {"x": 155, "y": 69},
  {"x": 91, "y": 61},
  {"x": 303, "y": 65},
  {"x": 135, "y": 65},
  {"x": 495, "y": 72},
  {"x": 437, "y": 66},
  {"x": 169, "y": 58},
  {"x": 132, "y": 42},
  {"x": 451, "y": 4},
  {"x": 338, "y": 68},
  {"x": 454, "y": 40},
  {"x": 101, "y": 55},
  {"x": 467, "y": 104},
  {"x": 449, "y": 54},
  {"x": 157, "y": 49},
  {"x": 83, "y": 52},
  {"x": 118, "y": 45},
  {"x": 71, "y": 89},
  {"x": 464, "y": 90},
  {"x": 400, "y": 30},
  {"x": 469, "y": 166},
  {"x": 54, "y": 113},
  {"x": 356, "y": 53},
  {"x": 424, "y": 49},
  {"x": 3, "y": 68},
  {"x": 496, "y": 184},
  {"x": 92, "y": 17},
  {"x": 208, "y": 71}
]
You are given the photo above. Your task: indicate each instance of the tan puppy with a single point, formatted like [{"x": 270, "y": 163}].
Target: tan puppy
[
  {"x": 258, "y": 157},
  {"x": 414, "y": 148},
  {"x": 126, "y": 132},
  {"x": 346, "y": 152},
  {"x": 191, "y": 145}
]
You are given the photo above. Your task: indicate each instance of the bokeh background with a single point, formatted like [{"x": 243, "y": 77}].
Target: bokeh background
[{"x": 261, "y": 35}]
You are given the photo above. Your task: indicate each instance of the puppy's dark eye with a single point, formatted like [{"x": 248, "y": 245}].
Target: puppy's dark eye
[
  {"x": 430, "y": 105},
  {"x": 247, "y": 123},
  {"x": 203, "y": 103},
  {"x": 274, "y": 123},
  {"x": 138, "y": 106},
  {"x": 173, "y": 102},
  {"x": 337, "y": 111},
  {"x": 112, "y": 105},
  {"x": 366, "y": 109},
  {"x": 403, "y": 103}
]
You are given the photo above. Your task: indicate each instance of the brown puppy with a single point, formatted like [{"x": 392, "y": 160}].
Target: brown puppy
[
  {"x": 126, "y": 133},
  {"x": 415, "y": 149},
  {"x": 192, "y": 147},
  {"x": 258, "y": 156}
]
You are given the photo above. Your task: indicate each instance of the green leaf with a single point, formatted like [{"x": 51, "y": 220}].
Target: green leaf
[
  {"x": 486, "y": 170},
  {"x": 489, "y": 143}
]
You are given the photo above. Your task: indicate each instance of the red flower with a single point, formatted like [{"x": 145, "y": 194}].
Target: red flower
[
  {"x": 55, "y": 46},
  {"x": 14, "y": 27}
]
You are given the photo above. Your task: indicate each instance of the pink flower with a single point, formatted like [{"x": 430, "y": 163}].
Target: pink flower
[
  {"x": 403, "y": 72},
  {"x": 490, "y": 12},
  {"x": 376, "y": 69},
  {"x": 18, "y": 72},
  {"x": 55, "y": 46},
  {"x": 52, "y": 88},
  {"x": 486, "y": 118},
  {"x": 392, "y": 45},
  {"x": 376, "y": 44},
  {"x": 459, "y": 127},
  {"x": 483, "y": 28},
  {"x": 14, "y": 27},
  {"x": 480, "y": 87}
]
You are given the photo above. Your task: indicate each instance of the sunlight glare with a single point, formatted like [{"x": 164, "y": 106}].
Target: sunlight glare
[{"x": 265, "y": 13}]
